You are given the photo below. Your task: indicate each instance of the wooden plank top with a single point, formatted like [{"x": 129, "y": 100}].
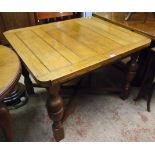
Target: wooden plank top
[
  {"x": 9, "y": 69},
  {"x": 60, "y": 51}
]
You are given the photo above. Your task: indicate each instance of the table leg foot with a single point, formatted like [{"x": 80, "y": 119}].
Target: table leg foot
[
  {"x": 58, "y": 131},
  {"x": 55, "y": 108},
  {"x": 139, "y": 95},
  {"x": 124, "y": 95},
  {"x": 148, "y": 107},
  {"x": 133, "y": 67},
  {"x": 5, "y": 122},
  {"x": 27, "y": 81},
  {"x": 149, "y": 96}
]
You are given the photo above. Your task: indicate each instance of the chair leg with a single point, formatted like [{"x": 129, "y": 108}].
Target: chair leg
[
  {"x": 146, "y": 80},
  {"x": 27, "y": 81},
  {"x": 149, "y": 97},
  {"x": 5, "y": 122},
  {"x": 128, "y": 16},
  {"x": 130, "y": 76},
  {"x": 153, "y": 14}
]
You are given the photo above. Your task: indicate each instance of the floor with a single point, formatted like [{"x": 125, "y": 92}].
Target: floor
[{"x": 94, "y": 117}]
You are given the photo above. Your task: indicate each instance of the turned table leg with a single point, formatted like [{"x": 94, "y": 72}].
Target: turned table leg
[
  {"x": 55, "y": 108},
  {"x": 5, "y": 122},
  {"x": 133, "y": 66},
  {"x": 27, "y": 81}
]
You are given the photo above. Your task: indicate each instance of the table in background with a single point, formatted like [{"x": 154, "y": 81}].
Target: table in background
[{"x": 143, "y": 23}]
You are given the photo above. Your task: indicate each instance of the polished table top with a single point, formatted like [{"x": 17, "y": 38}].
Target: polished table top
[
  {"x": 9, "y": 69},
  {"x": 142, "y": 22},
  {"x": 61, "y": 51}
]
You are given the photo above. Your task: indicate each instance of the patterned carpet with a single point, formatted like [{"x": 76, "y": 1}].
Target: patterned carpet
[{"x": 94, "y": 117}]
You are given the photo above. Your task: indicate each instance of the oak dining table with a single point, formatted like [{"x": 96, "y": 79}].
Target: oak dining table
[{"x": 57, "y": 52}]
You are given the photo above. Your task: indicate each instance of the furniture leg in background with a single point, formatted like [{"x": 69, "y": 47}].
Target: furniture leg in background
[
  {"x": 133, "y": 66},
  {"x": 149, "y": 97},
  {"x": 5, "y": 122},
  {"x": 128, "y": 16},
  {"x": 27, "y": 81},
  {"x": 148, "y": 86}
]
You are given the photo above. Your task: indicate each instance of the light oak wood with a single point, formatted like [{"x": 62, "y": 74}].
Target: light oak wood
[
  {"x": 57, "y": 52},
  {"x": 63, "y": 50},
  {"x": 9, "y": 69}
]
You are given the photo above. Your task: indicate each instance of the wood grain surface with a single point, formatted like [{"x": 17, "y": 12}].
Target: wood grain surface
[
  {"x": 9, "y": 70},
  {"x": 60, "y": 51}
]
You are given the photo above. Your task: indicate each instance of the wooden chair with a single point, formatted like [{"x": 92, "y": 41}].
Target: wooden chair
[
  {"x": 42, "y": 17},
  {"x": 10, "y": 72},
  {"x": 148, "y": 84}
]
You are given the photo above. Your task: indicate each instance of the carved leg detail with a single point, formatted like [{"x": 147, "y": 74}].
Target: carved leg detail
[
  {"x": 55, "y": 108},
  {"x": 133, "y": 66},
  {"x": 27, "y": 81},
  {"x": 5, "y": 122}
]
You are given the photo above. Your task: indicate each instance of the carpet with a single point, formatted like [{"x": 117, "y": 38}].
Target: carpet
[{"x": 94, "y": 117}]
